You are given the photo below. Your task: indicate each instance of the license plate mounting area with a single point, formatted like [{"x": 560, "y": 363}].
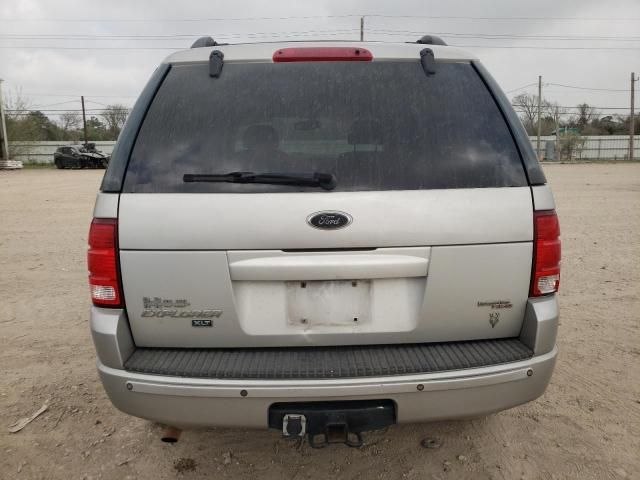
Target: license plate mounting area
[{"x": 328, "y": 302}]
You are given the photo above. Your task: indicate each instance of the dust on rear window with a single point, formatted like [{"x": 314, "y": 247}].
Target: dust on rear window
[{"x": 374, "y": 125}]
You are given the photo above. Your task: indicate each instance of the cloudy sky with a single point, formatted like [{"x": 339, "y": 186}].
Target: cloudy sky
[{"x": 53, "y": 52}]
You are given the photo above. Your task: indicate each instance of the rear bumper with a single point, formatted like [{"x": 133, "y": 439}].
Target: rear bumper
[
  {"x": 189, "y": 402},
  {"x": 193, "y": 402}
]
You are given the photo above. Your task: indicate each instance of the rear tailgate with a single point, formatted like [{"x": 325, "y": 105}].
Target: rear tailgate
[
  {"x": 440, "y": 243},
  {"x": 434, "y": 281}
]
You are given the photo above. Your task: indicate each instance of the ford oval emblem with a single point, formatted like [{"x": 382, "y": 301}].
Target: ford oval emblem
[{"x": 329, "y": 220}]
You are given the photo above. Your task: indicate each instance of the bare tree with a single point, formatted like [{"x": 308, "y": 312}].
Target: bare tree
[
  {"x": 16, "y": 103},
  {"x": 17, "y": 107},
  {"x": 586, "y": 113},
  {"x": 69, "y": 121},
  {"x": 554, "y": 111},
  {"x": 526, "y": 105},
  {"x": 114, "y": 116}
]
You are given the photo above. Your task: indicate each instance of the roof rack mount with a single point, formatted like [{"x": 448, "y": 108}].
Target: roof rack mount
[
  {"x": 204, "y": 42},
  {"x": 431, "y": 40}
]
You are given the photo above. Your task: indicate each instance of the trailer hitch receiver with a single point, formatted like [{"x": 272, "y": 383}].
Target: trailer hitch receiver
[{"x": 325, "y": 423}]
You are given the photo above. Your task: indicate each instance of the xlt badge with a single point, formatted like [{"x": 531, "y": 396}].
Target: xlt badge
[{"x": 202, "y": 322}]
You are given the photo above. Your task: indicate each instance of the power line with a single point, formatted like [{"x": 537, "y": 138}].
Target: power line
[
  {"x": 500, "y": 36},
  {"x": 40, "y": 94},
  {"x": 564, "y": 85},
  {"x": 173, "y": 20},
  {"x": 533, "y": 47},
  {"x": 184, "y": 47},
  {"x": 47, "y": 47},
  {"x": 97, "y": 103},
  {"x": 33, "y": 36},
  {"x": 311, "y": 32},
  {"x": 75, "y": 95},
  {"x": 27, "y": 111},
  {"x": 449, "y": 17},
  {"x": 570, "y": 86},
  {"x": 304, "y": 33},
  {"x": 304, "y": 17},
  {"x": 510, "y": 47},
  {"x": 52, "y": 104},
  {"x": 160, "y": 37},
  {"x": 588, "y": 88},
  {"x": 521, "y": 88}
]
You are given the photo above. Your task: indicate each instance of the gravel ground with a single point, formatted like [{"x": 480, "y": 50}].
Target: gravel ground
[{"x": 586, "y": 426}]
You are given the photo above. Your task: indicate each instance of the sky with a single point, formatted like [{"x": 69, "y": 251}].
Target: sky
[{"x": 53, "y": 52}]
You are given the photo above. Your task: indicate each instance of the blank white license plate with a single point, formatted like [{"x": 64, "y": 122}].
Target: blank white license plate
[{"x": 335, "y": 302}]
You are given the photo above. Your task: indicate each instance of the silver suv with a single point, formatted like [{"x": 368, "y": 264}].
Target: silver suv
[{"x": 323, "y": 238}]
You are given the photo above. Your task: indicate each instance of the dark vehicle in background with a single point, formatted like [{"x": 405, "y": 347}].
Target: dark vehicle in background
[{"x": 80, "y": 156}]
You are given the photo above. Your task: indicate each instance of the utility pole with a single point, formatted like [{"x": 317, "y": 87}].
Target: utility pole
[
  {"x": 556, "y": 115},
  {"x": 4, "y": 143},
  {"x": 632, "y": 119},
  {"x": 362, "y": 28},
  {"x": 5, "y": 163},
  {"x": 539, "y": 114},
  {"x": 84, "y": 121}
]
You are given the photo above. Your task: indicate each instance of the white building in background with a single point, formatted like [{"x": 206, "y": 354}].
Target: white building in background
[
  {"x": 593, "y": 147},
  {"x": 42, "y": 152}
]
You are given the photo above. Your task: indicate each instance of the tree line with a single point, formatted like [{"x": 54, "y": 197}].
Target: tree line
[
  {"x": 30, "y": 124},
  {"x": 25, "y": 123},
  {"x": 583, "y": 119}
]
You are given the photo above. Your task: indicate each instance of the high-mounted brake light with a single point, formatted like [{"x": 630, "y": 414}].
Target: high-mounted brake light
[
  {"x": 322, "y": 54},
  {"x": 102, "y": 260},
  {"x": 546, "y": 253}
]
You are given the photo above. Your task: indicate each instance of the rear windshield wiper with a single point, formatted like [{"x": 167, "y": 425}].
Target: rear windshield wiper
[{"x": 327, "y": 181}]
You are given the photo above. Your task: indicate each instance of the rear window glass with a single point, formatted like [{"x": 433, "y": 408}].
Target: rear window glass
[{"x": 373, "y": 125}]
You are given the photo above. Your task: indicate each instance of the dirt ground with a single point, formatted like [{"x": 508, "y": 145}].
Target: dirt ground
[{"x": 586, "y": 426}]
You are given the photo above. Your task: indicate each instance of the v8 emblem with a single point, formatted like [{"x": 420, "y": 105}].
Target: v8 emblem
[{"x": 494, "y": 318}]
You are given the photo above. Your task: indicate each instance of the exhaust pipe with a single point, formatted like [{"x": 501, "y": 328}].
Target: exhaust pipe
[{"x": 171, "y": 435}]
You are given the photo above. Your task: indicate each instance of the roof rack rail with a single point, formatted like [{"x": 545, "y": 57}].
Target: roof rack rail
[
  {"x": 204, "y": 42},
  {"x": 431, "y": 40}
]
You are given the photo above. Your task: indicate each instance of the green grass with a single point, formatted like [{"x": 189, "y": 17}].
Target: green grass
[
  {"x": 38, "y": 166},
  {"x": 576, "y": 162}
]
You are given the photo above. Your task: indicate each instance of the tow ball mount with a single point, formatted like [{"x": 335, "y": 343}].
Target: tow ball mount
[{"x": 324, "y": 423}]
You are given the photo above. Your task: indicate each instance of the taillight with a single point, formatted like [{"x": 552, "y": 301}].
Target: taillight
[
  {"x": 322, "y": 54},
  {"x": 102, "y": 259},
  {"x": 546, "y": 253}
]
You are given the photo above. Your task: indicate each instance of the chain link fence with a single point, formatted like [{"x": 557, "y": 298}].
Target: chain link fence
[
  {"x": 569, "y": 147},
  {"x": 564, "y": 148}
]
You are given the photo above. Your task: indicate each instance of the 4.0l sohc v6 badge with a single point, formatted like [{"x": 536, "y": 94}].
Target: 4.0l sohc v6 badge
[{"x": 329, "y": 220}]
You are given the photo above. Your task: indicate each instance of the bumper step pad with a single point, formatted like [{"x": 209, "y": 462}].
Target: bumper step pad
[{"x": 326, "y": 362}]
